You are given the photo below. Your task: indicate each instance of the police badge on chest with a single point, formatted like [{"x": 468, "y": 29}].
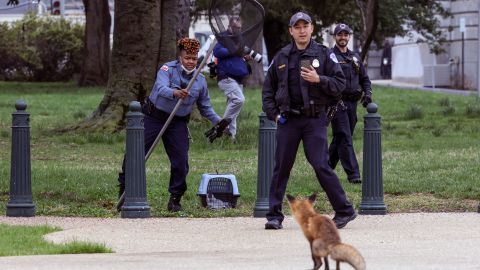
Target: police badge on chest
[{"x": 307, "y": 63}]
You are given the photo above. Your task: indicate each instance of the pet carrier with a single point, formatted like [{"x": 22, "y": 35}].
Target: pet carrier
[{"x": 218, "y": 191}]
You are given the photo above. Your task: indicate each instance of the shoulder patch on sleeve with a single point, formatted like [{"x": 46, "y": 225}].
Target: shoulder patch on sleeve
[
  {"x": 333, "y": 57},
  {"x": 164, "y": 68}
]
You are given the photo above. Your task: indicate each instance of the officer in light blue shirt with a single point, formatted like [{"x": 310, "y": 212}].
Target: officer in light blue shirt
[
  {"x": 170, "y": 86},
  {"x": 173, "y": 77}
]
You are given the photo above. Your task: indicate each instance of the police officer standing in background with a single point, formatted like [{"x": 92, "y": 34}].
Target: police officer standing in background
[
  {"x": 172, "y": 79},
  {"x": 303, "y": 76},
  {"x": 358, "y": 86}
]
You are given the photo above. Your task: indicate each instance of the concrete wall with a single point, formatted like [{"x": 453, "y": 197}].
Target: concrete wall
[
  {"x": 374, "y": 61},
  {"x": 410, "y": 60}
]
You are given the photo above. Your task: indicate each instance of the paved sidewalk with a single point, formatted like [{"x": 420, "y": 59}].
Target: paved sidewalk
[
  {"x": 394, "y": 241},
  {"x": 402, "y": 85}
]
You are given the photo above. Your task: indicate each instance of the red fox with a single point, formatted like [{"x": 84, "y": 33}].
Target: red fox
[{"x": 323, "y": 236}]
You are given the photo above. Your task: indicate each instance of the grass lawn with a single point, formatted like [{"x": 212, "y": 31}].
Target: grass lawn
[
  {"x": 28, "y": 240},
  {"x": 430, "y": 146}
]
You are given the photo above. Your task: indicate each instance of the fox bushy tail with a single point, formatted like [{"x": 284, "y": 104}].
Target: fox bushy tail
[{"x": 349, "y": 254}]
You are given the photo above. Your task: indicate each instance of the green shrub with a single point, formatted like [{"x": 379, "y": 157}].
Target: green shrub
[
  {"x": 445, "y": 102},
  {"x": 414, "y": 112},
  {"x": 437, "y": 132},
  {"x": 79, "y": 115},
  {"x": 40, "y": 49},
  {"x": 4, "y": 134},
  {"x": 473, "y": 109},
  {"x": 448, "y": 110},
  {"x": 388, "y": 126}
]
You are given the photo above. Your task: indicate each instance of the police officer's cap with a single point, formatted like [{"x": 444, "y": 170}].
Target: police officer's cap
[
  {"x": 299, "y": 16},
  {"x": 342, "y": 28}
]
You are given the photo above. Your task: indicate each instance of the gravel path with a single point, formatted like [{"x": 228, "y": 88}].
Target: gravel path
[{"x": 394, "y": 241}]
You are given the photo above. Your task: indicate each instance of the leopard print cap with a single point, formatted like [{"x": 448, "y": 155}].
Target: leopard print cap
[{"x": 190, "y": 45}]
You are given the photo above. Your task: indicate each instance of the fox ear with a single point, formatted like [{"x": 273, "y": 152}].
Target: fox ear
[
  {"x": 313, "y": 197},
  {"x": 290, "y": 198}
]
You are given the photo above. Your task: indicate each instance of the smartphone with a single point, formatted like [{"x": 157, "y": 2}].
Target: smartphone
[{"x": 305, "y": 63}]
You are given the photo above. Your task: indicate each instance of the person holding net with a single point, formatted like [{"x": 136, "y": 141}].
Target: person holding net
[
  {"x": 232, "y": 70},
  {"x": 236, "y": 24},
  {"x": 170, "y": 87},
  {"x": 302, "y": 78}
]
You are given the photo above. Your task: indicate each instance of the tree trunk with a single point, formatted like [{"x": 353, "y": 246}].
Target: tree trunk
[
  {"x": 183, "y": 16},
  {"x": 133, "y": 67},
  {"x": 174, "y": 27},
  {"x": 273, "y": 30},
  {"x": 257, "y": 77},
  {"x": 97, "y": 44},
  {"x": 369, "y": 12}
]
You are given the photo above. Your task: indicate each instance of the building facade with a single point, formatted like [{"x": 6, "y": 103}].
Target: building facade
[{"x": 457, "y": 67}]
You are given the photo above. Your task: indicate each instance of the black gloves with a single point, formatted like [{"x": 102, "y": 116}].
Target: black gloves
[
  {"x": 366, "y": 99},
  {"x": 217, "y": 130}
]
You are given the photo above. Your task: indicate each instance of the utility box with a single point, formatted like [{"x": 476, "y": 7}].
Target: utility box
[
  {"x": 218, "y": 191},
  {"x": 436, "y": 75}
]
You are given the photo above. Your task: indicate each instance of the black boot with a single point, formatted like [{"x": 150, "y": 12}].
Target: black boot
[{"x": 174, "y": 204}]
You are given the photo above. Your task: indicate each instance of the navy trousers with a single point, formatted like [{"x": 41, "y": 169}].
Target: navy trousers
[
  {"x": 176, "y": 144},
  {"x": 341, "y": 147},
  {"x": 313, "y": 133}
]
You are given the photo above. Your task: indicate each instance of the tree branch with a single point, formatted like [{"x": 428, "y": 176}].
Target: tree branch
[{"x": 369, "y": 23}]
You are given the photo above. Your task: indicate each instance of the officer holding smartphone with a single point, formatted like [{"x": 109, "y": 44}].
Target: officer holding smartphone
[{"x": 303, "y": 76}]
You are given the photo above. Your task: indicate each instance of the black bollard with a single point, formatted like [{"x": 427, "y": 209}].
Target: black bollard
[
  {"x": 266, "y": 154},
  {"x": 478, "y": 210},
  {"x": 136, "y": 205},
  {"x": 20, "y": 203},
  {"x": 372, "y": 186}
]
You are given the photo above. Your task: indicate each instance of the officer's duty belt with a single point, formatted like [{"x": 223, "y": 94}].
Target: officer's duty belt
[
  {"x": 149, "y": 109},
  {"x": 353, "y": 97},
  {"x": 314, "y": 111}
]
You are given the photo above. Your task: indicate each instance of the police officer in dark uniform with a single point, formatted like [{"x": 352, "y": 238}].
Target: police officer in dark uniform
[
  {"x": 358, "y": 86},
  {"x": 170, "y": 84},
  {"x": 303, "y": 76}
]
